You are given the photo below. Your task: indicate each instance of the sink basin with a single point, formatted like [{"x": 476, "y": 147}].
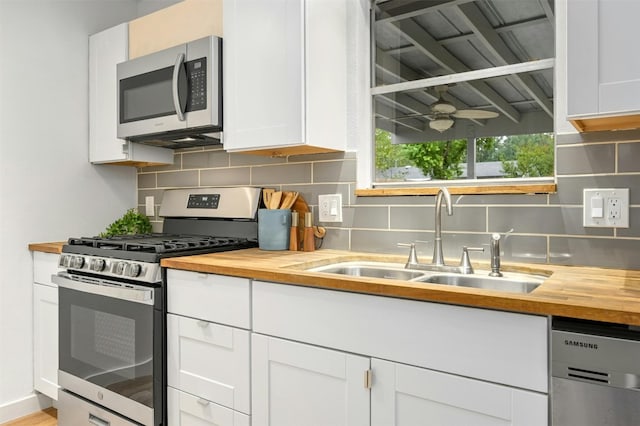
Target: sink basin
[
  {"x": 509, "y": 285},
  {"x": 373, "y": 270},
  {"x": 511, "y": 282}
]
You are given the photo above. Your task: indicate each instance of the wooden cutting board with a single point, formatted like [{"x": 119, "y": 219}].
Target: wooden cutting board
[{"x": 301, "y": 207}]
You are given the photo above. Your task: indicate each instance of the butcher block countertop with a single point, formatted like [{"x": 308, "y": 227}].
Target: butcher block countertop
[
  {"x": 55, "y": 247},
  {"x": 611, "y": 295}
]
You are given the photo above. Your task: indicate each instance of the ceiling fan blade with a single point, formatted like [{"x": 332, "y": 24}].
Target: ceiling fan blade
[
  {"x": 475, "y": 114},
  {"x": 442, "y": 107}
]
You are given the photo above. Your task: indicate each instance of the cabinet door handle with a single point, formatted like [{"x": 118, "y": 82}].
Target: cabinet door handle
[
  {"x": 203, "y": 402},
  {"x": 203, "y": 324},
  {"x": 368, "y": 378}
]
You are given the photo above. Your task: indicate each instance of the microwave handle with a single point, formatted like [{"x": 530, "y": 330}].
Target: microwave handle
[{"x": 174, "y": 87}]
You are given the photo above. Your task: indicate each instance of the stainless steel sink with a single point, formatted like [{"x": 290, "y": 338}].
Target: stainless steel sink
[
  {"x": 509, "y": 285},
  {"x": 511, "y": 282},
  {"x": 373, "y": 270}
]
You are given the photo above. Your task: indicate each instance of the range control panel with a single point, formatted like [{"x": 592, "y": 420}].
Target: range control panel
[{"x": 203, "y": 201}]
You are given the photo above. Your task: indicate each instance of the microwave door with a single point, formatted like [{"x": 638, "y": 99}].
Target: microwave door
[{"x": 146, "y": 88}]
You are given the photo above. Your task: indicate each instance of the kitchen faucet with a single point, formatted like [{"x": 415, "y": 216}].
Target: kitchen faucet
[
  {"x": 437, "y": 263},
  {"x": 438, "y": 258}
]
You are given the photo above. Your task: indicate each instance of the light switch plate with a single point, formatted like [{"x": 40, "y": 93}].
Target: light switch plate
[
  {"x": 605, "y": 208},
  {"x": 330, "y": 208},
  {"x": 149, "y": 208}
]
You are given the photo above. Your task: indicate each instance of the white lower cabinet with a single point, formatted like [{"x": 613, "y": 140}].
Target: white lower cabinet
[
  {"x": 208, "y": 349},
  {"x": 45, "y": 340},
  {"x": 407, "y": 395},
  {"x": 189, "y": 410},
  {"x": 285, "y": 355},
  {"x": 209, "y": 360},
  {"x": 45, "y": 324},
  {"x": 294, "y": 384}
]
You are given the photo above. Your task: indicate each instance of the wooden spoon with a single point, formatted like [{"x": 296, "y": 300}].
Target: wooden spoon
[
  {"x": 289, "y": 199},
  {"x": 275, "y": 200},
  {"x": 266, "y": 196}
]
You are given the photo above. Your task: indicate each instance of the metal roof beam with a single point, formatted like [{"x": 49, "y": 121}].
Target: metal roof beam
[
  {"x": 398, "y": 11},
  {"x": 448, "y": 41},
  {"x": 430, "y": 47},
  {"x": 485, "y": 33}
]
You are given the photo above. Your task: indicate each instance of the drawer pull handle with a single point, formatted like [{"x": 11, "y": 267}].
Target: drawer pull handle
[
  {"x": 202, "y": 275},
  {"x": 97, "y": 421},
  {"x": 203, "y": 324},
  {"x": 203, "y": 402}
]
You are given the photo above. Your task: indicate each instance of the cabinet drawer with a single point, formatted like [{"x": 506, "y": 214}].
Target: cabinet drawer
[
  {"x": 184, "y": 409},
  {"x": 215, "y": 298},
  {"x": 500, "y": 347},
  {"x": 209, "y": 360},
  {"x": 45, "y": 265}
]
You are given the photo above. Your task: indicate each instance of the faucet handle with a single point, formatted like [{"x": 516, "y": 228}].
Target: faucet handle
[
  {"x": 465, "y": 263},
  {"x": 412, "y": 261}
]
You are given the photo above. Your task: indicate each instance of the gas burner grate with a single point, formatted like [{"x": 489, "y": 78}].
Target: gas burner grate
[{"x": 157, "y": 243}]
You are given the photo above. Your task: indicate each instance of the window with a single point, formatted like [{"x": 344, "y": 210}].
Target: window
[{"x": 462, "y": 91}]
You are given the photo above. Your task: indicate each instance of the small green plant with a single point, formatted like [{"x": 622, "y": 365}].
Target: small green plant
[{"x": 132, "y": 222}]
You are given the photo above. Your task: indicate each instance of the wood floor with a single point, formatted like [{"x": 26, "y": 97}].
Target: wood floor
[{"x": 47, "y": 417}]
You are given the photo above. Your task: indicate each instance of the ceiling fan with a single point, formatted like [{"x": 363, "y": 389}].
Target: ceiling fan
[{"x": 443, "y": 112}]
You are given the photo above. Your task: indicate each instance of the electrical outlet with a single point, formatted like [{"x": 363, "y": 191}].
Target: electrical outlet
[
  {"x": 613, "y": 208},
  {"x": 330, "y": 208},
  {"x": 606, "y": 208}
]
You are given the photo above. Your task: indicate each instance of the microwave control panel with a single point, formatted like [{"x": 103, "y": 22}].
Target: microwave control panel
[{"x": 197, "y": 77}]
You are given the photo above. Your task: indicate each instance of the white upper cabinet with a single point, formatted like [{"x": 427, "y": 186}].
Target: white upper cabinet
[
  {"x": 285, "y": 76},
  {"x": 106, "y": 50},
  {"x": 603, "y": 68}
]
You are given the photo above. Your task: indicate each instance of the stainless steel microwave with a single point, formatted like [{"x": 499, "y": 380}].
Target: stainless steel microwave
[{"x": 172, "y": 98}]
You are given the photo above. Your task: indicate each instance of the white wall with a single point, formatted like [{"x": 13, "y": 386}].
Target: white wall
[{"x": 48, "y": 190}]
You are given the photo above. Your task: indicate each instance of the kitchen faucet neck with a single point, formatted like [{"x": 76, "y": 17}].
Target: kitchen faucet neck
[{"x": 443, "y": 193}]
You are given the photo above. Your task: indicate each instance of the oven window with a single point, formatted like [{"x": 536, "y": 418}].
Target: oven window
[{"x": 108, "y": 342}]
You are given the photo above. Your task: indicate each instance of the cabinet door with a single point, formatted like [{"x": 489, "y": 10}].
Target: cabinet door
[
  {"x": 295, "y": 384},
  {"x": 263, "y": 73},
  {"x": 45, "y": 265},
  {"x": 405, "y": 395},
  {"x": 45, "y": 339},
  {"x": 106, "y": 50},
  {"x": 184, "y": 409},
  {"x": 209, "y": 360},
  {"x": 603, "y": 73}
]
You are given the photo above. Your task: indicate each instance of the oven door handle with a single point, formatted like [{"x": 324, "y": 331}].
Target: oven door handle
[{"x": 136, "y": 294}]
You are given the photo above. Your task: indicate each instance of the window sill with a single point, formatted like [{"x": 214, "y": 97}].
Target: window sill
[{"x": 540, "y": 188}]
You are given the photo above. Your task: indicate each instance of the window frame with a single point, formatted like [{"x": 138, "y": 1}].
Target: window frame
[{"x": 366, "y": 184}]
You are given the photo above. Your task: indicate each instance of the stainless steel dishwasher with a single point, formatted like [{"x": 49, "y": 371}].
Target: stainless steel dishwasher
[{"x": 595, "y": 369}]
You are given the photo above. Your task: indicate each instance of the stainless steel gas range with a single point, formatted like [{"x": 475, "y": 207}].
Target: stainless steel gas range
[{"x": 112, "y": 307}]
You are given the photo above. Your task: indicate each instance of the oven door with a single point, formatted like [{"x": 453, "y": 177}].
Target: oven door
[{"x": 110, "y": 344}]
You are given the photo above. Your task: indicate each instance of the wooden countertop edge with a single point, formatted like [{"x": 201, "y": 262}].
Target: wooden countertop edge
[
  {"x": 548, "y": 299},
  {"x": 552, "y": 298},
  {"x": 52, "y": 247}
]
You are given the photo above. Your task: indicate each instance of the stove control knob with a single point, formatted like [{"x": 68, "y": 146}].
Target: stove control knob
[
  {"x": 134, "y": 270},
  {"x": 120, "y": 267},
  {"x": 77, "y": 262},
  {"x": 98, "y": 265},
  {"x": 65, "y": 261}
]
